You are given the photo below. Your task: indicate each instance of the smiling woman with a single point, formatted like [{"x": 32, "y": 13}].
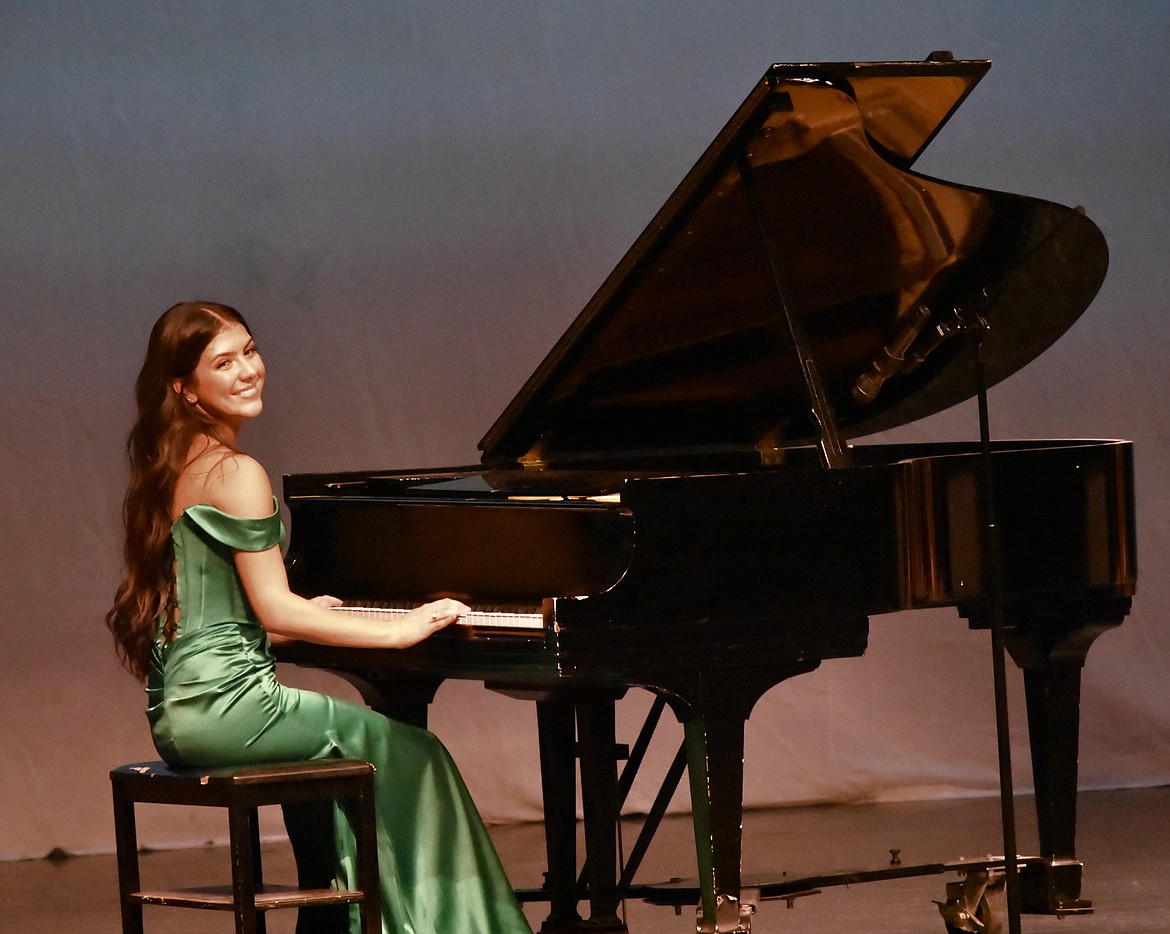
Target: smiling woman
[
  {"x": 204, "y": 596},
  {"x": 228, "y": 383}
]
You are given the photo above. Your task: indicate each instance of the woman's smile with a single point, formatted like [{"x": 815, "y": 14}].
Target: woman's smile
[{"x": 228, "y": 382}]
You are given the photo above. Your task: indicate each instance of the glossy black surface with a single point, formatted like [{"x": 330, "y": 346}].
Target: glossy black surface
[
  {"x": 687, "y": 343},
  {"x": 658, "y": 484}
]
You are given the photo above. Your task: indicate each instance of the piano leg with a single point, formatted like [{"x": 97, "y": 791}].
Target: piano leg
[
  {"x": 713, "y": 710},
  {"x": 1053, "y": 697},
  {"x": 597, "y": 747},
  {"x": 1049, "y": 643},
  {"x": 715, "y": 768},
  {"x": 558, "y": 779}
]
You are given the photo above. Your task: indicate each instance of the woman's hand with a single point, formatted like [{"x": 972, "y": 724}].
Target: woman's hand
[
  {"x": 431, "y": 617},
  {"x": 412, "y": 627}
]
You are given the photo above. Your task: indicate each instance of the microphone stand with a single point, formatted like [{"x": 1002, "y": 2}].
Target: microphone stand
[{"x": 976, "y": 326}]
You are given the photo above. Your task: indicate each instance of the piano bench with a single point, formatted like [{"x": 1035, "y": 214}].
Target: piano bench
[{"x": 242, "y": 790}]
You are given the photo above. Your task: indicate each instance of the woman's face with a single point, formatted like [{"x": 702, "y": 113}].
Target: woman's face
[{"x": 228, "y": 382}]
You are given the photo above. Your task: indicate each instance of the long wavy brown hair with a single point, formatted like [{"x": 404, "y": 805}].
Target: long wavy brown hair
[{"x": 158, "y": 447}]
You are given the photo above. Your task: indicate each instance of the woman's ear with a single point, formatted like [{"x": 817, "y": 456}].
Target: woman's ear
[{"x": 178, "y": 387}]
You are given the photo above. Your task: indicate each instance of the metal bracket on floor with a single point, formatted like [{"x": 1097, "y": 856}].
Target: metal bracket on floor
[{"x": 732, "y": 916}]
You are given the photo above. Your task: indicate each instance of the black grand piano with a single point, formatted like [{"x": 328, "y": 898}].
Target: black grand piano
[{"x": 674, "y": 501}]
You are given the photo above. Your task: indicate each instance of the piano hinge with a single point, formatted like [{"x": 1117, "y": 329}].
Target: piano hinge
[
  {"x": 534, "y": 458},
  {"x": 770, "y": 449}
]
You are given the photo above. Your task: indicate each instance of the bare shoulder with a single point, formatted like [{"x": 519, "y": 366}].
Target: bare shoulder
[
  {"x": 239, "y": 485},
  {"x": 227, "y": 480}
]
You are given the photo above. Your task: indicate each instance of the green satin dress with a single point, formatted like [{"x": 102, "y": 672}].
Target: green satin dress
[{"x": 213, "y": 699}]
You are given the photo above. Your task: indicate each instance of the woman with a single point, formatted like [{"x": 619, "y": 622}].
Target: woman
[{"x": 205, "y": 595}]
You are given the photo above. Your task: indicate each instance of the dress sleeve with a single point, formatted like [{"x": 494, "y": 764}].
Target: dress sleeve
[{"x": 236, "y": 532}]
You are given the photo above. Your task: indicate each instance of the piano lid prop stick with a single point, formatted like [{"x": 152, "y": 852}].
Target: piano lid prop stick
[
  {"x": 976, "y": 326},
  {"x": 833, "y": 450}
]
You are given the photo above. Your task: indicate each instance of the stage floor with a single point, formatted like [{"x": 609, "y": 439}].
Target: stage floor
[{"x": 1124, "y": 841}]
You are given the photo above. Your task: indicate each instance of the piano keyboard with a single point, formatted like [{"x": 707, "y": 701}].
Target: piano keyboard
[{"x": 515, "y": 618}]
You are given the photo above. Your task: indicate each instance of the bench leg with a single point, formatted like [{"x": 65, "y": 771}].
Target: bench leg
[
  {"x": 244, "y": 834},
  {"x": 366, "y": 832},
  {"x": 126, "y": 838}
]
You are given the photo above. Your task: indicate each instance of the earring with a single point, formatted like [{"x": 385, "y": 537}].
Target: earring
[{"x": 191, "y": 399}]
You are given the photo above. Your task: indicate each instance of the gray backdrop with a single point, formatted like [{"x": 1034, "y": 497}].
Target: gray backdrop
[{"x": 411, "y": 201}]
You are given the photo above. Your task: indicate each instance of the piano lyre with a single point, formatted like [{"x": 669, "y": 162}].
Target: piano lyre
[{"x": 692, "y": 438}]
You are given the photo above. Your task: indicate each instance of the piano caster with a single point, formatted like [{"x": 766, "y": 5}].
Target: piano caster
[
  {"x": 975, "y": 904},
  {"x": 731, "y": 917}
]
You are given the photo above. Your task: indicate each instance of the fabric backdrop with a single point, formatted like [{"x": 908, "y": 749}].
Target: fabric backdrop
[{"x": 411, "y": 201}]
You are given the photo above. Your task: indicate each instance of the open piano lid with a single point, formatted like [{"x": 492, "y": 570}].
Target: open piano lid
[{"x": 691, "y": 343}]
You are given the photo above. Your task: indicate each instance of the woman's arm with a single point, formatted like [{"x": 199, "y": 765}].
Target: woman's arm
[
  {"x": 241, "y": 488},
  {"x": 283, "y": 614}
]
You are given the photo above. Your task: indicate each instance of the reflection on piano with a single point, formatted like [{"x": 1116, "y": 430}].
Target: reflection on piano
[{"x": 687, "y": 443}]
